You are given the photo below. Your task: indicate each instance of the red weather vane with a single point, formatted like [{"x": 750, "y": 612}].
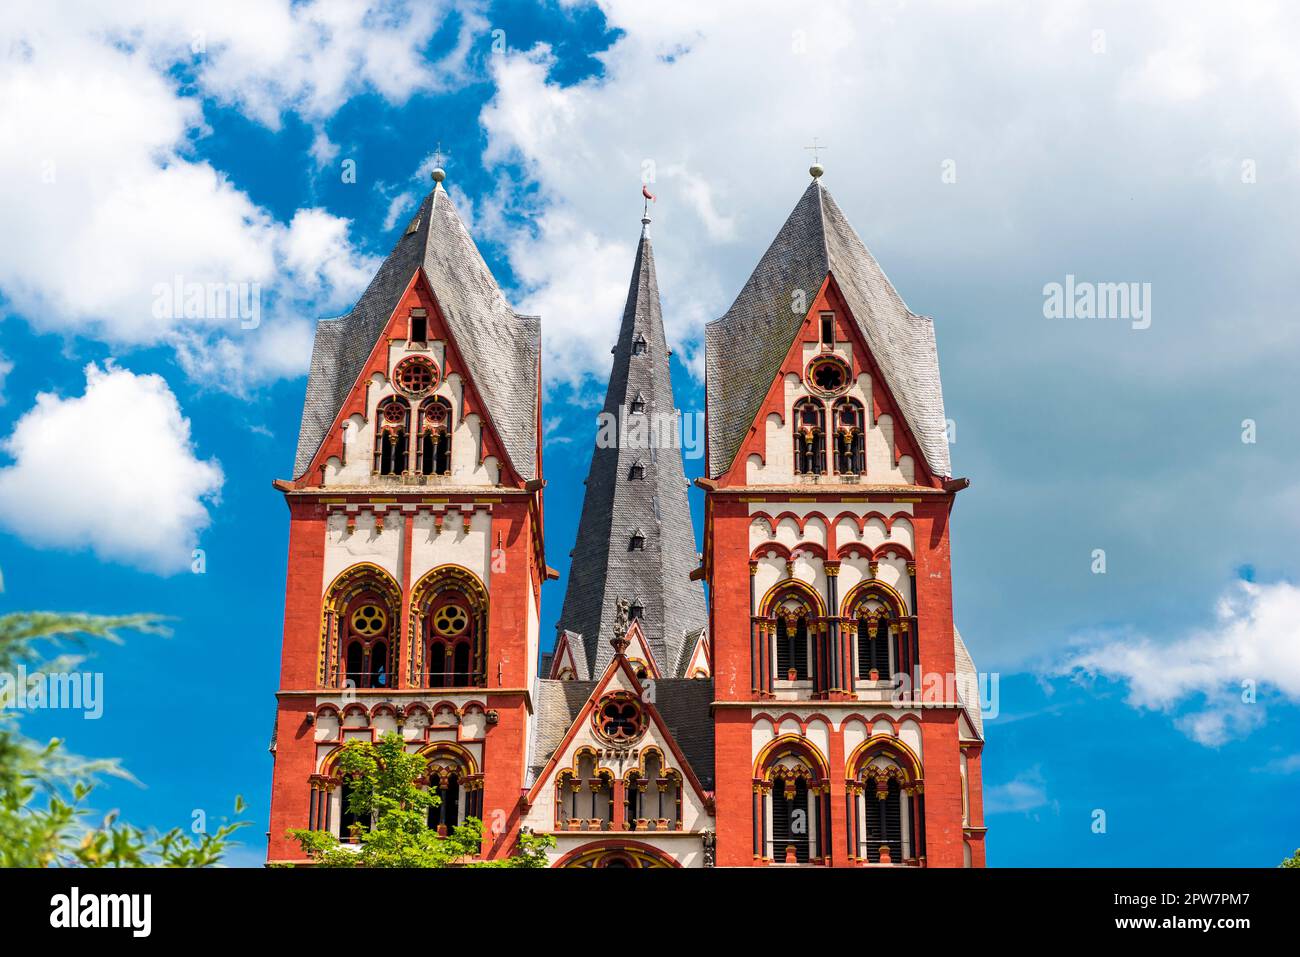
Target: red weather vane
[{"x": 649, "y": 198}]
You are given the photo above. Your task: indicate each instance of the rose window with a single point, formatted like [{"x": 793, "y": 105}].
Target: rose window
[
  {"x": 828, "y": 375},
  {"x": 620, "y": 719},
  {"x": 415, "y": 375}
]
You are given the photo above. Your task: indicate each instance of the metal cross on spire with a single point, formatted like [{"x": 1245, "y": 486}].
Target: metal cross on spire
[
  {"x": 816, "y": 169},
  {"x": 438, "y": 173}
]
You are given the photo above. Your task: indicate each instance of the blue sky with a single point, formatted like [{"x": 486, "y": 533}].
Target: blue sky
[{"x": 1113, "y": 145}]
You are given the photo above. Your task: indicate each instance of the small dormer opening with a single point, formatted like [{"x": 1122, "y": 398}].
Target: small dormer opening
[
  {"x": 419, "y": 327},
  {"x": 638, "y": 403},
  {"x": 638, "y": 346},
  {"x": 637, "y": 472},
  {"x": 637, "y": 544},
  {"x": 636, "y": 611}
]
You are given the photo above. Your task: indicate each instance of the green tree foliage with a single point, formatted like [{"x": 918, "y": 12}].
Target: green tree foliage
[
  {"x": 45, "y": 820},
  {"x": 1293, "y": 860},
  {"x": 384, "y": 791}
]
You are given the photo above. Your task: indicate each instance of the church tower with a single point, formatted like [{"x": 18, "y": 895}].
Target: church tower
[
  {"x": 635, "y": 538},
  {"x": 846, "y": 714},
  {"x": 621, "y": 767},
  {"x": 415, "y": 540}
]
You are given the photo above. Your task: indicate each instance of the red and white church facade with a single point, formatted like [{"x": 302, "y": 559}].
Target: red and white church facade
[{"x": 819, "y": 710}]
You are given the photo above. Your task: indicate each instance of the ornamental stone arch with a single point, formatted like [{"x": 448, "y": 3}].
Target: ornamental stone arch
[
  {"x": 360, "y": 628},
  {"x": 448, "y": 630}
]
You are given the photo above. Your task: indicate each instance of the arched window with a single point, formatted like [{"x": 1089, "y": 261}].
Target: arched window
[
  {"x": 809, "y": 437},
  {"x": 350, "y": 822},
  {"x": 888, "y": 806},
  {"x": 638, "y": 403},
  {"x": 792, "y": 803},
  {"x": 450, "y": 637},
  {"x": 637, "y": 543},
  {"x": 874, "y": 633},
  {"x": 433, "y": 453},
  {"x": 450, "y": 776},
  {"x": 793, "y": 639},
  {"x": 359, "y": 636},
  {"x": 653, "y": 795},
  {"x": 637, "y": 472},
  {"x": 879, "y": 630},
  {"x": 392, "y": 434},
  {"x": 584, "y": 799},
  {"x": 850, "y": 438},
  {"x": 450, "y": 618},
  {"x": 638, "y": 345},
  {"x": 365, "y": 626}
]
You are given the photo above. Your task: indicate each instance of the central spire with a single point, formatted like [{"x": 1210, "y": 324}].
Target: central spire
[{"x": 635, "y": 538}]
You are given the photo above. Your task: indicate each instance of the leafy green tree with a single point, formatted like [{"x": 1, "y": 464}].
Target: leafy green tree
[
  {"x": 44, "y": 817},
  {"x": 1293, "y": 860},
  {"x": 384, "y": 791}
]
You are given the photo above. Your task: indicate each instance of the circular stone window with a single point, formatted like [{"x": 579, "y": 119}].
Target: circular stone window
[
  {"x": 369, "y": 620},
  {"x": 450, "y": 620},
  {"x": 828, "y": 375},
  {"x": 619, "y": 718},
  {"x": 415, "y": 375}
]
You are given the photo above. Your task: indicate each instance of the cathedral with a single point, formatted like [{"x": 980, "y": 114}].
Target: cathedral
[{"x": 795, "y": 695}]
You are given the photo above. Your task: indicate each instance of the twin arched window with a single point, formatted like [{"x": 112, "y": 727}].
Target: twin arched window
[
  {"x": 792, "y": 806},
  {"x": 793, "y": 631},
  {"x": 432, "y": 437},
  {"x": 360, "y": 638},
  {"x": 450, "y": 606},
  {"x": 888, "y": 806}
]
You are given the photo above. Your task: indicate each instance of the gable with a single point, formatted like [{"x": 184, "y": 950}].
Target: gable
[
  {"x": 343, "y": 453},
  {"x": 892, "y": 454},
  {"x": 619, "y": 677}
]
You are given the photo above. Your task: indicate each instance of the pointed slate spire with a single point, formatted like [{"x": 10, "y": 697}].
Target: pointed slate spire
[
  {"x": 501, "y": 347},
  {"x": 745, "y": 348},
  {"x": 635, "y": 538}
]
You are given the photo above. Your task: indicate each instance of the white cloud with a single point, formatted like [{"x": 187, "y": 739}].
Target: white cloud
[
  {"x": 6, "y": 367},
  {"x": 107, "y": 202},
  {"x": 1026, "y": 792},
  {"x": 1252, "y": 649},
  {"x": 113, "y": 470}
]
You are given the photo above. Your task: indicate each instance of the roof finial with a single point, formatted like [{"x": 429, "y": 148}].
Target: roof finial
[
  {"x": 816, "y": 169},
  {"x": 438, "y": 173},
  {"x": 645, "y": 208}
]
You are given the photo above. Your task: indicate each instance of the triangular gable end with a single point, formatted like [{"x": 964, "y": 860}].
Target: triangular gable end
[
  {"x": 830, "y": 299},
  {"x": 638, "y": 651},
  {"x": 564, "y": 664},
  {"x": 618, "y": 676},
  {"x": 698, "y": 664},
  {"x": 419, "y": 294}
]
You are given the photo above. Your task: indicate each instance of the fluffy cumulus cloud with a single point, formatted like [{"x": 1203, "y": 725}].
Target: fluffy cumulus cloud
[
  {"x": 109, "y": 212},
  {"x": 112, "y": 470},
  {"x": 1216, "y": 679}
]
